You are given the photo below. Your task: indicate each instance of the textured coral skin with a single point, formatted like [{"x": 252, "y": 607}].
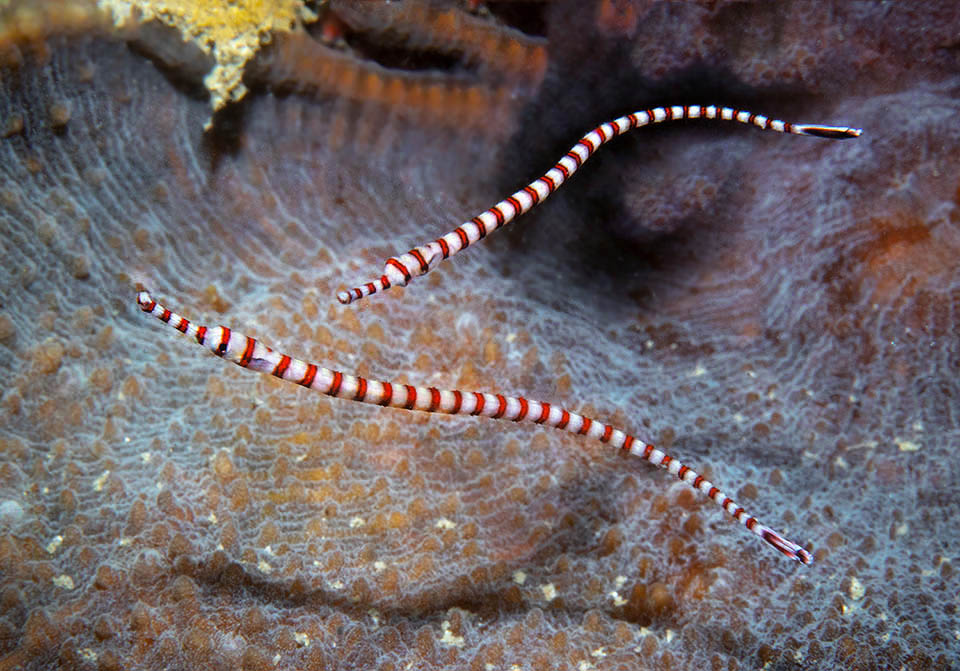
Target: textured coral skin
[{"x": 780, "y": 312}]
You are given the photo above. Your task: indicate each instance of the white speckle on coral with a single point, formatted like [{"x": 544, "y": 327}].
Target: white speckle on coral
[
  {"x": 444, "y": 523},
  {"x": 264, "y": 567},
  {"x": 519, "y": 577},
  {"x": 669, "y": 635},
  {"x": 620, "y": 581},
  {"x": 335, "y": 584},
  {"x": 63, "y": 581},
  {"x": 599, "y": 653},
  {"x": 857, "y": 590},
  {"x": 88, "y": 654},
  {"x": 906, "y": 445},
  {"x": 617, "y": 599},
  {"x": 302, "y": 639},
  {"x": 357, "y": 522},
  {"x": 146, "y": 457},
  {"x": 374, "y": 615},
  {"x": 698, "y": 371},
  {"x": 448, "y": 637},
  {"x": 549, "y": 591},
  {"x": 276, "y": 659},
  {"x": 212, "y": 518},
  {"x": 99, "y": 482},
  {"x": 54, "y": 544},
  {"x": 379, "y": 566}
]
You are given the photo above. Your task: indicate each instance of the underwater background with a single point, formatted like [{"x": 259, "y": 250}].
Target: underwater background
[{"x": 779, "y": 312}]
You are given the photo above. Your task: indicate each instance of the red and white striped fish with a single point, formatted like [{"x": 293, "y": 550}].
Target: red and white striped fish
[
  {"x": 399, "y": 270},
  {"x": 249, "y": 353}
]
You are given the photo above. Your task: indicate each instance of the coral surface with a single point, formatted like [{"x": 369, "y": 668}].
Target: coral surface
[{"x": 779, "y": 312}]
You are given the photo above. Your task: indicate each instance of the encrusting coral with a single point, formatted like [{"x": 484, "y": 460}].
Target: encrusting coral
[{"x": 777, "y": 313}]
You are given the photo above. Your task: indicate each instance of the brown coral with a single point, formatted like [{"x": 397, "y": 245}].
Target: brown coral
[{"x": 794, "y": 329}]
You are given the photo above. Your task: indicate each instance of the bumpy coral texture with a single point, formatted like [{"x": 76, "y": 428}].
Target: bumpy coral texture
[{"x": 780, "y": 312}]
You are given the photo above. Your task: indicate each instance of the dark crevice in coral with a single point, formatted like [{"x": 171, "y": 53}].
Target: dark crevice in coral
[
  {"x": 182, "y": 63},
  {"x": 397, "y": 56},
  {"x": 529, "y": 18}
]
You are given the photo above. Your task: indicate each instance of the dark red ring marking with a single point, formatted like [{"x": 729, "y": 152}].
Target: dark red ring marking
[
  {"x": 479, "y": 405},
  {"x": 434, "y": 399},
  {"x": 575, "y": 157},
  {"x": 335, "y": 385},
  {"x": 585, "y": 426},
  {"x": 482, "y": 227},
  {"x": 457, "y": 402},
  {"x": 464, "y": 239},
  {"x": 501, "y": 407},
  {"x": 247, "y": 352},
  {"x": 415, "y": 253},
  {"x": 564, "y": 420},
  {"x": 544, "y": 413},
  {"x": 530, "y": 191},
  {"x": 387, "y": 394},
  {"x": 402, "y": 268},
  {"x": 444, "y": 248},
  {"x": 201, "y": 334},
  {"x": 607, "y": 433},
  {"x": 361, "y": 389},
  {"x": 524, "y": 409},
  {"x": 281, "y": 368},
  {"x": 224, "y": 341},
  {"x": 309, "y": 375},
  {"x": 411, "y": 397}
]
